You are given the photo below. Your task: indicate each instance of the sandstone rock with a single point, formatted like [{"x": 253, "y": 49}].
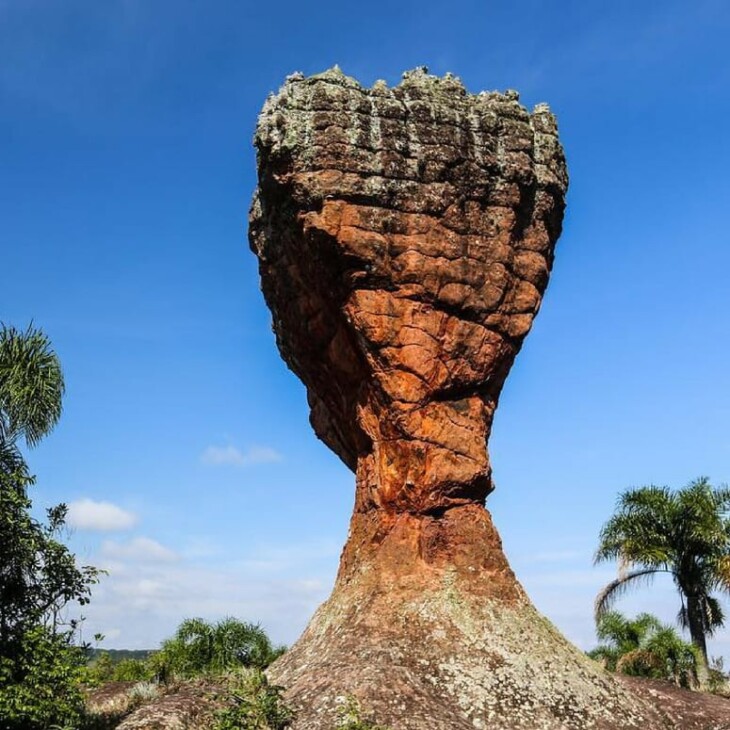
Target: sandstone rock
[
  {"x": 190, "y": 706},
  {"x": 111, "y": 700},
  {"x": 405, "y": 237}
]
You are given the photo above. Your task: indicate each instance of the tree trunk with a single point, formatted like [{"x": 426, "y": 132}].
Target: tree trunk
[{"x": 696, "y": 622}]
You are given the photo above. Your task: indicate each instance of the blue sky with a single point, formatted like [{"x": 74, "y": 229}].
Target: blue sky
[{"x": 127, "y": 170}]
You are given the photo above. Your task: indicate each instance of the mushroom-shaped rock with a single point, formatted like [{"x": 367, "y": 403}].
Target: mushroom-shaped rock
[{"x": 405, "y": 237}]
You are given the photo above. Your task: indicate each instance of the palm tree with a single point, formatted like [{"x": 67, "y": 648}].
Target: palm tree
[
  {"x": 31, "y": 390},
  {"x": 644, "y": 647},
  {"x": 621, "y": 636},
  {"x": 684, "y": 533},
  {"x": 200, "y": 647}
]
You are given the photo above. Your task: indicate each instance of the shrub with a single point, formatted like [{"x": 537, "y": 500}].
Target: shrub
[
  {"x": 42, "y": 686},
  {"x": 143, "y": 692},
  {"x": 351, "y": 716},
  {"x": 40, "y": 669},
  {"x": 199, "y": 648},
  {"x": 254, "y": 704},
  {"x": 132, "y": 670},
  {"x": 718, "y": 681},
  {"x": 644, "y": 647}
]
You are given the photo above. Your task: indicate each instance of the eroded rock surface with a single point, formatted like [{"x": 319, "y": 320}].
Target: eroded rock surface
[{"x": 405, "y": 237}]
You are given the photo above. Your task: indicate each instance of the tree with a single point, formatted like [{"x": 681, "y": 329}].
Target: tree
[
  {"x": 200, "y": 647},
  {"x": 31, "y": 392},
  {"x": 39, "y": 665},
  {"x": 644, "y": 647},
  {"x": 684, "y": 533}
]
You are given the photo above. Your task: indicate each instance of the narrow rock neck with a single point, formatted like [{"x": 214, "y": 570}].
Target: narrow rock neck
[
  {"x": 419, "y": 507},
  {"x": 425, "y": 460}
]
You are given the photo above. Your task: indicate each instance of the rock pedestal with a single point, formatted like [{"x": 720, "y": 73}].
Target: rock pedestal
[{"x": 405, "y": 237}]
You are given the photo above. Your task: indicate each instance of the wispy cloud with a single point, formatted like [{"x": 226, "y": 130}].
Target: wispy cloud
[
  {"x": 87, "y": 514},
  {"x": 138, "y": 550},
  {"x": 232, "y": 456},
  {"x": 144, "y": 597}
]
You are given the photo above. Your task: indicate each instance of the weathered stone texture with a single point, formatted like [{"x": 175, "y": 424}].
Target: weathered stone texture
[{"x": 405, "y": 237}]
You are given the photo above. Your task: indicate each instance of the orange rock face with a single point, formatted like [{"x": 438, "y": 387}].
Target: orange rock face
[{"x": 405, "y": 238}]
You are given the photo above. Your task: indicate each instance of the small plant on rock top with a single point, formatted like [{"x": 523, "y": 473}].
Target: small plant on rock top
[{"x": 350, "y": 716}]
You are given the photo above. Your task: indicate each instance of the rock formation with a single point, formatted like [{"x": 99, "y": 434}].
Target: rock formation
[{"x": 405, "y": 238}]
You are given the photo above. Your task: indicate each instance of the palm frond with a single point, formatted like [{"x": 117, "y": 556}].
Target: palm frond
[
  {"x": 616, "y": 588},
  {"x": 683, "y": 616},
  {"x": 11, "y": 460},
  {"x": 640, "y": 530},
  {"x": 721, "y": 572},
  {"x": 31, "y": 384},
  {"x": 714, "y": 616}
]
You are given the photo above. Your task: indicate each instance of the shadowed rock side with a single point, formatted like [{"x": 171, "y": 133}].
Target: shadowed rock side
[{"x": 405, "y": 237}]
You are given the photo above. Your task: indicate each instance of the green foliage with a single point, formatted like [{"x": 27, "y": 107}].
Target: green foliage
[
  {"x": 41, "y": 684},
  {"x": 31, "y": 391},
  {"x": 38, "y": 578},
  {"x": 351, "y": 717},
  {"x": 38, "y": 574},
  {"x": 103, "y": 668},
  {"x": 117, "y": 655},
  {"x": 254, "y": 704},
  {"x": 132, "y": 670},
  {"x": 684, "y": 533},
  {"x": 40, "y": 669},
  {"x": 99, "y": 670},
  {"x": 718, "y": 681},
  {"x": 644, "y": 647},
  {"x": 200, "y": 647}
]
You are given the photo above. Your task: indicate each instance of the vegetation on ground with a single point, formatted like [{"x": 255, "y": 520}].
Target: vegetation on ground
[
  {"x": 40, "y": 667},
  {"x": 253, "y": 704},
  {"x": 684, "y": 533},
  {"x": 351, "y": 716},
  {"x": 102, "y": 668},
  {"x": 200, "y": 647},
  {"x": 229, "y": 654},
  {"x": 118, "y": 655},
  {"x": 644, "y": 647}
]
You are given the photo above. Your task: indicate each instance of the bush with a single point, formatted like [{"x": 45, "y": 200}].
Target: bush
[
  {"x": 103, "y": 667},
  {"x": 202, "y": 648},
  {"x": 350, "y": 716},
  {"x": 718, "y": 681},
  {"x": 42, "y": 686},
  {"x": 132, "y": 670},
  {"x": 644, "y": 647},
  {"x": 254, "y": 704},
  {"x": 40, "y": 669}
]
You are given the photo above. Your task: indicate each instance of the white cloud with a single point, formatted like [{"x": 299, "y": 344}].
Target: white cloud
[
  {"x": 148, "y": 600},
  {"x": 147, "y": 594},
  {"x": 87, "y": 514},
  {"x": 138, "y": 550},
  {"x": 232, "y": 456}
]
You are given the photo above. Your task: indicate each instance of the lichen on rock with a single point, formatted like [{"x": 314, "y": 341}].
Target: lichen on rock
[{"x": 405, "y": 237}]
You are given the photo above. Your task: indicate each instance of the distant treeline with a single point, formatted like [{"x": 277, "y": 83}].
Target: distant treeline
[{"x": 119, "y": 655}]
